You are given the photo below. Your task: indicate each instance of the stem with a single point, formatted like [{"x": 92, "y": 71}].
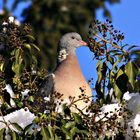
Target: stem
[
  {"x": 4, "y": 121},
  {"x": 116, "y": 46},
  {"x": 84, "y": 98}
]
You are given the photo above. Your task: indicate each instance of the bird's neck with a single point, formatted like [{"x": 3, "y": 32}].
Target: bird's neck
[
  {"x": 63, "y": 53},
  {"x": 70, "y": 63}
]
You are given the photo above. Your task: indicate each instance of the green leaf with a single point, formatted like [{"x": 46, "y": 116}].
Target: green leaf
[
  {"x": 99, "y": 90},
  {"x": 1, "y": 66},
  {"x": 28, "y": 46},
  {"x": 45, "y": 133},
  {"x": 132, "y": 47},
  {"x": 27, "y": 128},
  {"x": 131, "y": 71},
  {"x": 31, "y": 99},
  {"x": 66, "y": 110},
  {"x": 77, "y": 118},
  {"x": 17, "y": 126},
  {"x": 66, "y": 132},
  {"x": 98, "y": 63},
  {"x": 115, "y": 65},
  {"x": 99, "y": 72},
  {"x": 120, "y": 84},
  {"x": 119, "y": 73},
  {"x": 30, "y": 37},
  {"x": 2, "y": 134},
  {"x": 51, "y": 132},
  {"x": 73, "y": 131},
  {"x": 70, "y": 124},
  {"x": 86, "y": 132},
  {"x": 19, "y": 104},
  {"x": 57, "y": 138},
  {"x": 110, "y": 59},
  {"x": 13, "y": 135},
  {"x": 33, "y": 45},
  {"x": 117, "y": 91},
  {"x": 17, "y": 66}
]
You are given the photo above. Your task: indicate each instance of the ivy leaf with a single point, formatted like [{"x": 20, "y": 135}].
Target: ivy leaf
[
  {"x": 13, "y": 135},
  {"x": 30, "y": 37},
  {"x": 51, "y": 132},
  {"x": 118, "y": 93},
  {"x": 17, "y": 126},
  {"x": 110, "y": 59},
  {"x": 27, "y": 128},
  {"x": 70, "y": 124},
  {"x": 66, "y": 132},
  {"x": 66, "y": 110},
  {"x": 17, "y": 66},
  {"x": 99, "y": 90},
  {"x": 28, "y": 46},
  {"x": 33, "y": 45},
  {"x": 31, "y": 99},
  {"x": 57, "y": 138},
  {"x": 1, "y": 66},
  {"x": 2, "y": 134},
  {"x": 73, "y": 131},
  {"x": 132, "y": 47},
  {"x": 19, "y": 104},
  {"x": 131, "y": 71},
  {"x": 77, "y": 118},
  {"x": 45, "y": 133},
  {"x": 120, "y": 84},
  {"x": 101, "y": 70}
]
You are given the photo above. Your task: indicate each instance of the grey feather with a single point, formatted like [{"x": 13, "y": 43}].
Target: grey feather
[
  {"x": 67, "y": 46},
  {"x": 46, "y": 90}
]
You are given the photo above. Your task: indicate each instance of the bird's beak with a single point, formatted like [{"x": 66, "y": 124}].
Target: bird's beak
[{"x": 83, "y": 43}]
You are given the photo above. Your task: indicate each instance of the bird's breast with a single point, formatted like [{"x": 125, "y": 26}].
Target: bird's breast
[{"x": 70, "y": 81}]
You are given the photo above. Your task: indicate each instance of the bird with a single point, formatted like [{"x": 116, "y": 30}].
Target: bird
[{"x": 66, "y": 84}]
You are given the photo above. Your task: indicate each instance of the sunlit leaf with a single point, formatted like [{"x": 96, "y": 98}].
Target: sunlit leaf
[
  {"x": 31, "y": 99},
  {"x": 1, "y": 66},
  {"x": 132, "y": 71},
  {"x": 110, "y": 59},
  {"x": 101, "y": 70},
  {"x": 119, "y": 73},
  {"x": 70, "y": 124},
  {"x": 28, "y": 46},
  {"x": 117, "y": 91}
]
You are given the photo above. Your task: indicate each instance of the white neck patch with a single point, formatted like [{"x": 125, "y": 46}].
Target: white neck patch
[{"x": 62, "y": 55}]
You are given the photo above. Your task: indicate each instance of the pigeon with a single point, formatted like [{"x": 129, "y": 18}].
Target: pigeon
[{"x": 67, "y": 84}]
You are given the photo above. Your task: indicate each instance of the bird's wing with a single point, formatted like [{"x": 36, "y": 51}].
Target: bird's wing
[{"x": 42, "y": 99}]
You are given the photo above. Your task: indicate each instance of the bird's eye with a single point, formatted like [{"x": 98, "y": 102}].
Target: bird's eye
[{"x": 73, "y": 37}]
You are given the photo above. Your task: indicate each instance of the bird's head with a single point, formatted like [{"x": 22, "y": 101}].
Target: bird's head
[
  {"x": 68, "y": 44},
  {"x": 71, "y": 41}
]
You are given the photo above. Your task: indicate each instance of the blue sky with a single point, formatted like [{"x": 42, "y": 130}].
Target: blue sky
[{"x": 125, "y": 17}]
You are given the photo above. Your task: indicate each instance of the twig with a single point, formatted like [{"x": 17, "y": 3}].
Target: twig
[{"x": 116, "y": 46}]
